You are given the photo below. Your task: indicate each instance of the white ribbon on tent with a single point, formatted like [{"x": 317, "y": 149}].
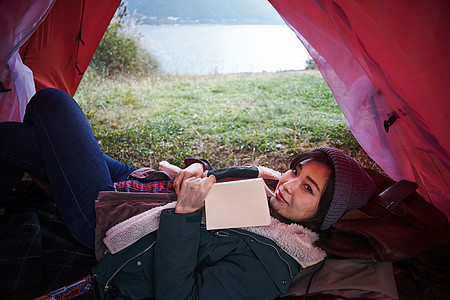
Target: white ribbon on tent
[{"x": 18, "y": 24}]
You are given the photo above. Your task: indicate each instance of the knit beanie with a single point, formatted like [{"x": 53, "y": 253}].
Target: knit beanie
[{"x": 352, "y": 186}]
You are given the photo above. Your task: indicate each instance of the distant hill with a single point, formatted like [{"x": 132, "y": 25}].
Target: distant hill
[{"x": 205, "y": 11}]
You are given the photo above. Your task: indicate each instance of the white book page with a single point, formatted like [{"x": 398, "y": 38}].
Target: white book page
[{"x": 236, "y": 204}]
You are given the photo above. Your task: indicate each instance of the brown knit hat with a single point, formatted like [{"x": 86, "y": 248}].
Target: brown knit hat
[{"x": 352, "y": 186}]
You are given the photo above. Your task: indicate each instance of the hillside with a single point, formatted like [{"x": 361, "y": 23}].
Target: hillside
[{"x": 205, "y": 11}]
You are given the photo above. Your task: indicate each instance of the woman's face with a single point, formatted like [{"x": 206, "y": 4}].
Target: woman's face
[{"x": 298, "y": 192}]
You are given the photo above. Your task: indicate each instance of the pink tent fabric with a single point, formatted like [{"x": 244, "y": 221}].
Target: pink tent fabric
[
  {"x": 18, "y": 21},
  {"x": 386, "y": 58},
  {"x": 57, "y": 40}
]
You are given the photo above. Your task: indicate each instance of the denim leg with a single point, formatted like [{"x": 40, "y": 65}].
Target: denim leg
[
  {"x": 118, "y": 170},
  {"x": 19, "y": 153},
  {"x": 73, "y": 161}
]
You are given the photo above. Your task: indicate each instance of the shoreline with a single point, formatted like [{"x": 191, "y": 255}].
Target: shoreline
[{"x": 315, "y": 73}]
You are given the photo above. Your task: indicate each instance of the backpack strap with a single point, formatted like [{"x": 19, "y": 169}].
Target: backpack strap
[{"x": 391, "y": 198}]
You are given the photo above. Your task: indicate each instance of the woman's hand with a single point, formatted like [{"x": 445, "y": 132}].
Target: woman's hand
[
  {"x": 193, "y": 193},
  {"x": 194, "y": 170}
]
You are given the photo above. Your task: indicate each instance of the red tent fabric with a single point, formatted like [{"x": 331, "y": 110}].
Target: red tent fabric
[
  {"x": 62, "y": 46},
  {"x": 57, "y": 40},
  {"x": 386, "y": 59}
]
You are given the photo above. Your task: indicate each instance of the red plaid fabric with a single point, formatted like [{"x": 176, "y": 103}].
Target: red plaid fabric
[{"x": 164, "y": 186}]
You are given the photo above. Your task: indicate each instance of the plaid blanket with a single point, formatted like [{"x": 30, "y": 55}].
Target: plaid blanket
[
  {"x": 37, "y": 253},
  {"x": 134, "y": 185}
]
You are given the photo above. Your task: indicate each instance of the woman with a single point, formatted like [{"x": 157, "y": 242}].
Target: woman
[{"x": 181, "y": 259}]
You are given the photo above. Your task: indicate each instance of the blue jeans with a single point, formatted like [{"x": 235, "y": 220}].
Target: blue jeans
[{"x": 55, "y": 143}]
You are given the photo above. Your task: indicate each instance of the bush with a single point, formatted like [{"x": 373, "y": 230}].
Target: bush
[
  {"x": 310, "y": 64},
  {"x": 119, "y": 51}
]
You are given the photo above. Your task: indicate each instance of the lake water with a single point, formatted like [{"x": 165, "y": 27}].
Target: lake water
[{"x": 222, "y": 49}]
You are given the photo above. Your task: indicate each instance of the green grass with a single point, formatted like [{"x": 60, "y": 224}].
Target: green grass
[{"x": 245, "y": 119}]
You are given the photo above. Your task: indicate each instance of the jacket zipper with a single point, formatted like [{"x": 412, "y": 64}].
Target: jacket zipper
[
  {"x": 267, "y": 244},
  {"x": 107, "y": 287}
]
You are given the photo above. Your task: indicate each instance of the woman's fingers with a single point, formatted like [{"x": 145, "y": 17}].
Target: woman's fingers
[
  {"x": 209, "y": 182},
  {"x": 193, "y": 193},
  {"x": 194, "y": 170},
  {"x": 177, "y": 182}
]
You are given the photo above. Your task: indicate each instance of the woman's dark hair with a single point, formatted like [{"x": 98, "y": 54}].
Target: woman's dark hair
[{"x": 316, "y": 220}]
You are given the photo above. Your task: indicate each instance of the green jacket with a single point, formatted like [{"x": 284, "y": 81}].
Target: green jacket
[{"x": 182, "y": 260}]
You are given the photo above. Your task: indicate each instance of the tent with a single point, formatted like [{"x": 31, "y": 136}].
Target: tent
[
  {"x": 386, "y": 62},
  {"x": 55, "y": 40}
]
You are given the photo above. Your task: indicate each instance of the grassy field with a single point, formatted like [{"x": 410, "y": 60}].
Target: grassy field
[{"x": 239, "y": 119}]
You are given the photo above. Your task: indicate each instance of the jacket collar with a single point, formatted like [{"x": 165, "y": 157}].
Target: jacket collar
[{"x": 294, "y": 239}]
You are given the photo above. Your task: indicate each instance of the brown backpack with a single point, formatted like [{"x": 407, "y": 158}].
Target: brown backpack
[{"x": 396, "y": 224}]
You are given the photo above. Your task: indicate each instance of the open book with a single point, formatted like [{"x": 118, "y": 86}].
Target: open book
[{"x": 236, "y": 204}]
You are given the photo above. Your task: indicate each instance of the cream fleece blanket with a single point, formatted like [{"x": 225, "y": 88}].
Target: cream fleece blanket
[
  {"x": 294, "y": 239},
  {"x": 130, "y": 230}
]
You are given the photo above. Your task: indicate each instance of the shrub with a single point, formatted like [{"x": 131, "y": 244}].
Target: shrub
[
  {"x": 310, "y": 64},
  {"x": 120, "y": 52}
]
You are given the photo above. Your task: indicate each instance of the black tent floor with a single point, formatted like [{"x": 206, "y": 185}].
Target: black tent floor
[{"x": 38, "y": 255}]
